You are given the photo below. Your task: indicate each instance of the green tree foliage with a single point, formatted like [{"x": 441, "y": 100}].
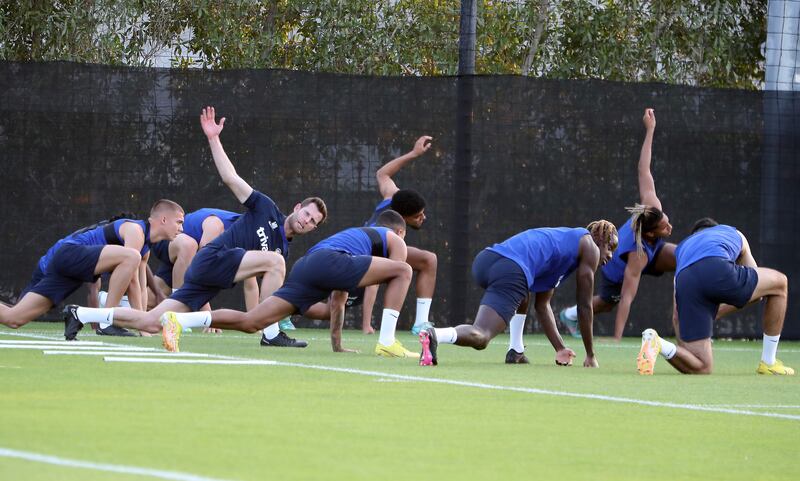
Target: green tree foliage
[{"x": 698, "y": 42}]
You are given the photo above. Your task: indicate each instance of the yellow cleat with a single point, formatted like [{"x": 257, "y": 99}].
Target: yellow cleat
[
  {"x": 651, "y": 347},
  {"x": 395, "y": 350},
  {"x": 170, "y": 331},
  {"x": 777, "y": 369}
]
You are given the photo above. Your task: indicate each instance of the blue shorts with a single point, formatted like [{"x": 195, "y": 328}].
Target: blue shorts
[
  {"x": 703, "y": 286},
  {"x": 213, "y": 268},
  {"x": 71, "y": 266},
  {"x": 608, "y": 290},
  {"x": 314, "y": 276},
  {"x": 504, "y": 281}
]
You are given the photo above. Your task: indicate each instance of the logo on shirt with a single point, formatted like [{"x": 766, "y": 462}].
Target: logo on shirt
[
  {"x": 262, "y": 238},
  {"x": 273, "y": 224}
]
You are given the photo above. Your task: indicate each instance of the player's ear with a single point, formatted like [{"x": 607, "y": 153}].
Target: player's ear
[{"x": 297, "y": 207}]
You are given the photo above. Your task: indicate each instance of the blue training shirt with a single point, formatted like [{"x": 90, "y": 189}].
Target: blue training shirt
[
  {"x": 614, "y": 270},
  {"x": 718, "y": 241},
  {"x": 96, "y": 237},
  {"x": 193, "y": 227},
  {"x": 385, "y": 204},
  {"x": 546, "y": 255},
  {"x": 260, "y": 228},
  {"x": 353, "y": 241}
]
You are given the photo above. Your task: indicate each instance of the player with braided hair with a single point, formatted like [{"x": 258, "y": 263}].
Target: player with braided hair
[
  {"x": 642, "y": 248},
  {"x": 534, "y": 261}
]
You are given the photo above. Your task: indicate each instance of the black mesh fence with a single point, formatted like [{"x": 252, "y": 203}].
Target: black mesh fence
[{"x": 81, "y": 142}]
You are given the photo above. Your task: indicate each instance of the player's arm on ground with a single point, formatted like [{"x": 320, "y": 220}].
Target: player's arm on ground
[
  {"x": 337, "y": 303},
  {"x": 212, "y": 228},
  {"x": 588, "y": 259},
  {"x": 133, "y": 237},
  {"x": 251, "y": 292},
  {"x": 630, "y": 286},
  {"x": 227, "y": 172},
  {"x": 647, "y": 185},
  {"x": 544, "y": 314},
  {"x": 143, "y": 280},
  {"x": 746, "y": 255},
  {"x": 386, "y": 185},
  {"x": 396, "y": 247},
  {"x": 150, "y": 278}
]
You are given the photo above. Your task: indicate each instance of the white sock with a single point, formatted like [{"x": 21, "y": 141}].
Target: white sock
[
  {"x": 516, "y": 325},
  {"x": 571, "y": 313},
  {"x": 388, "y": 326},
  {"x": 770, "y": 349},
  {"x": 101, "y": 298},
  {"x": 668, "y": 349},
  {"x": 124, "y": 302},
  {"x": 272, "y": 331},
  {"x": 446, "y": 335},
  {"x": 100, "y": 315},
  {"x": 423, "y": 309},
  {"x": 194, "y": 319}
]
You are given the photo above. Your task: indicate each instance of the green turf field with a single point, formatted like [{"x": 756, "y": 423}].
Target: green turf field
[{"x": 319, "y": 415}]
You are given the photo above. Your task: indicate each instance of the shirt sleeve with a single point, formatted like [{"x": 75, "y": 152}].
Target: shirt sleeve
[{"x": 258, "y": 202}]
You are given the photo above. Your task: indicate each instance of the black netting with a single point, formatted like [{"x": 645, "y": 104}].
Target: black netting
[{"x": 81, "y": 142}]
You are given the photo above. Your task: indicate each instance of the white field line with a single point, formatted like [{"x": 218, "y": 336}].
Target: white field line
[
  {"x": 113, "y": 468},
  {"x": 78, "y": 348},
  {"x": 547, "y": 392},
  {"x": 756, "y": 406},
  {"x": 129, "y": 353},
  {"x": 168, "y": 360},
  {"x": 53, "y": 343}
]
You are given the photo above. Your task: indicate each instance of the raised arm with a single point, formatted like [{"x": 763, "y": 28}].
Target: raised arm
[
  {"x": 386, "y": 185},
  {"x": 647, "y": 186},
  {"x": 589, "y": 257},
  {"x": 227, "y": 172}
]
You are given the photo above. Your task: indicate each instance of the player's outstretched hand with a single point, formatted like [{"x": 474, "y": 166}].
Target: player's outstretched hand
[
  {"x": 212, "y": 330},
  {"x": 590, "y": 361},
  {"x": 649, "y": 119},
  {"x": 208, "y": 121},
  {"x": 564, "y": 357},
  {"x": 422, "y": 145}
]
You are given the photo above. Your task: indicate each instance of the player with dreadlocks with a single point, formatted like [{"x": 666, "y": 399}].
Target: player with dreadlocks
[
  {"x": 642, "y": 249},
  {"x": 533, "y": 261}
]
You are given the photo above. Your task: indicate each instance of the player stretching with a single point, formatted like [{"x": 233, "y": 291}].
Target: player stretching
[
  {"x": 642, "y": 249},
  {"x": 355, "y": 257},
  {"x": 120, "y": 247},
  {"x": 536, "y": 260},
  {"x": 255, "y": 245},
  {"x": 716, "y": 267}
]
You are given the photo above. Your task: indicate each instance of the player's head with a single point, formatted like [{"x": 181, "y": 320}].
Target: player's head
[
  {"x": 703, "y": 223},
  {"x": 648, "y": 223},
  {"x": 307, "y": 215},
  {"x": 604, "y": 234},
  {"x": 166, "y": 219},
  {"x": 411, "y": 205},
  {"x": 394, "y": 221}
]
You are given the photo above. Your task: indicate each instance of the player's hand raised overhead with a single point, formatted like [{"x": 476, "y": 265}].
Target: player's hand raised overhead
[
  {"x": 649, "y": 119},
  {"x": 208, "y": 121},
  {"x": 422, "y": 145}
]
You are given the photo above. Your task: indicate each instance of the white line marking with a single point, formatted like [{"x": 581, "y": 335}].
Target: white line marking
[
  {"x": 5, "y": 332},
  {"x": 253, "y": 362},
  {"x": 114, "y": 468},
  {"x": 131, "y": 353},
  {"x": 756, "y": 406},
  {"x": 52, "y": 343},
  {"x": 78, "y": 348}
]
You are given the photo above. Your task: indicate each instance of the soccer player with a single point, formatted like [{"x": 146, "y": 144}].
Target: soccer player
[
  {"x": 536, "y": 261},
  {"x": 411, "y": 205},
  {"x": 716, "y": 268},
  {"x": 254, "y": 245},
  {"x": 355, "y": 257},
  {"x": 642, "y": 249},
  {"x": 120, "y": 247}
]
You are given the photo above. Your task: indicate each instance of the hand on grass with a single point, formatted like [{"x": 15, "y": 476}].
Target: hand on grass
[
  {"x": 591, "y": 361},
  {"x": 564, "y": 357}
]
